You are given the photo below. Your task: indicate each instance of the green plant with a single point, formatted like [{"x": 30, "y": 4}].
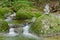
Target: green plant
[
  {"x": 3, "y": 26},
  {"x": 46, "y": 24},
  {"x": 4, "y": 10}
]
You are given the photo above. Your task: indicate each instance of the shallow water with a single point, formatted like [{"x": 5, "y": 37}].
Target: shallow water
[
  {"x": 18, "y": 37},
  {"x": 22, "y": 37}
]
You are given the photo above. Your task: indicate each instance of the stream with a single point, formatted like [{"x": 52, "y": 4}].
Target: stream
[
  {"x": 22, "y": 31},
  {"x": 24, "y": 34}
]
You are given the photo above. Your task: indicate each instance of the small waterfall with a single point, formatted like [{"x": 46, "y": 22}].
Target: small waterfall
[
  {"x": 13, "y": 15},
  {"x": 26, "y": 31},
  {"x": 47, "y": 9},
  {"x": 9, "y": 18},
  {"x": 11, "y": 30}
]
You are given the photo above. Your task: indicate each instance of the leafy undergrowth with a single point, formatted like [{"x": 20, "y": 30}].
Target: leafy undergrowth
[
  {"x": 46, "y": 24},
  {"x": 4, "y": 11},
  {"x": 3, "y": 26}
]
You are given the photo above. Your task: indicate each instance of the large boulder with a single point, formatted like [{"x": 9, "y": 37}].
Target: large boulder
[
  {"x": 46, "y": 24},
  {"x": 25, "y": 9},
  {"x": 27, "y": 13},
  {"x": 3, "y": 26}
]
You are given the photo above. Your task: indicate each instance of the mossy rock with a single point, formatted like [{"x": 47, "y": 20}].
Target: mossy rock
[
  {"x": 3, "y": 26},
  {"x": 46, "y": 24},
  {"x": 27, "y": 13},
  {"x": 4, "y": 10}
]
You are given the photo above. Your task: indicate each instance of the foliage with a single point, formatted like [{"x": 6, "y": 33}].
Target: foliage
[
  {"x": 3, "y": 26},
  {"x": 46, "y": 24},
  {"x": 20, "y": 4},
  {"x": 3, "y": 11}
]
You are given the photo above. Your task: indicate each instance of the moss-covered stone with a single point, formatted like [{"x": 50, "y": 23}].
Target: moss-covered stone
[
  {"x": 4, "y": 10},
  {"x": 27, "y": 13},
  {"x": 46, "y": 24},
  {"x": 3, "y": 26},
  {"x": 17, "y": 4}
]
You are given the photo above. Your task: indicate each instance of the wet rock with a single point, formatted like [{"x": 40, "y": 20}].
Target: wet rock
[
  {"x": 12, "y": 25},
  {"x": 20, "y": 25}
]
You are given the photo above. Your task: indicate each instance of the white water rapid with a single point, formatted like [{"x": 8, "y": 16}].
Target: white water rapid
[
  {"x": 47, "y": 9},
  {"x": 26, "y": 31},
  {"x": 9, "y": 18},
  {"x": 12, "y": 30}
]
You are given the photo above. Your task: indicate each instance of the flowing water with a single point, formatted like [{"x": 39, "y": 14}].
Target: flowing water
[
  {"x": 12, "y": 35},
  {"x": 25, "y": 34},
  {"x": 9, "y": 18},
  {"x": 47, "y": 9},
  {"x": 11, "y": 32}
]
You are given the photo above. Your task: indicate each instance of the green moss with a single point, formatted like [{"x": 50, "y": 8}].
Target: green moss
[
  {"x": 46, "y": 24},
  {"x": 27, "y": 13},
  {"x": 3, "y": 11},
  {"x": 3, "y": 26},
  {"x": 21, "y": 4}
]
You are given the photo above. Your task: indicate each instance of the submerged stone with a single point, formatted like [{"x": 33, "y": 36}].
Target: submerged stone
[
  {"x": 3, "y": 26},
  {"x": 46, "y": 24}
]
